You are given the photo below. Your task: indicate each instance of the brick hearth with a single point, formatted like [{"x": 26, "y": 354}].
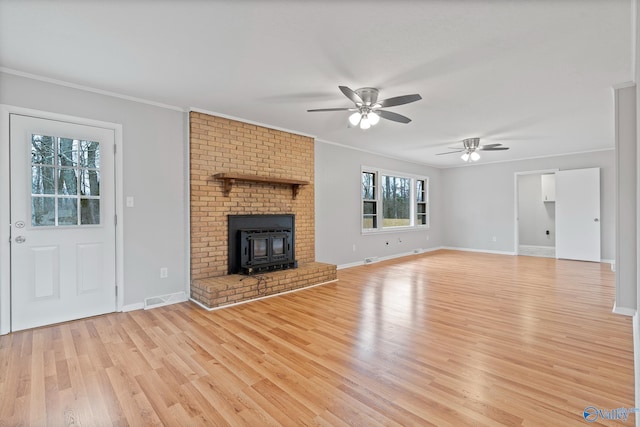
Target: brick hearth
[{"x": 223, "y": 290}]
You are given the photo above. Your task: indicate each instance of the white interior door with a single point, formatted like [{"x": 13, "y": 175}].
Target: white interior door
[
  {"x": 62, "y": 221},
  {"x": 578, "y": 214}
]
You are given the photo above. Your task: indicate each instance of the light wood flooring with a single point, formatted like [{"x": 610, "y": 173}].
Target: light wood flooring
[{"x": 445, "y": 338}]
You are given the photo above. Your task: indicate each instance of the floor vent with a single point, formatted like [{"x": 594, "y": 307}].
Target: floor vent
[{"x": 161, "y": 300}]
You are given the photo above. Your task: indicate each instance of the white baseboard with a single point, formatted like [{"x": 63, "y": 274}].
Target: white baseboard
[
  {"x": 159, "y": 301},
  {"x": 626, "y": 311},
  {"x": 133, "y": 307},
  {"x": 486, "y": 251},
  {"x": 388, "y": 257},
  {"x": 162, "y": 300},
  {"x": 538, "y": 251},
  {"x": 612, "y": 262},
  {"x": 349, "y": 265}
]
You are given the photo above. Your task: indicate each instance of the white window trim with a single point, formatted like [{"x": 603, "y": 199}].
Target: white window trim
[{"x": 414, "y": 205}]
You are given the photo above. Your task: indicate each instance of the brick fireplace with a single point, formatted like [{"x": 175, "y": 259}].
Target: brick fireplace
[{"x": 239, "y": 168}]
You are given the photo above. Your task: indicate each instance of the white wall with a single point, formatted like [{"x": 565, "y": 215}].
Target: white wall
[
  {"x": 535, "y": 217},
  {"x": 478, "y": 201},
  {"x": 153, "y": 173},
  {"x": 338, "y": 199},
  {"x": 626, "y": 245}
]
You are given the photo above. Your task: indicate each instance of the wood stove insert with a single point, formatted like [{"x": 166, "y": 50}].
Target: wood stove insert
[{"x": 260, "y": 243}]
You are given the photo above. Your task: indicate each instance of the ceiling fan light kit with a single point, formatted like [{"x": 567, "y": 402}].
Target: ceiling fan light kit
[
  {"x": 470, "y": 148},
  {"x": 471, "y": 145},
  {"x": 367, "y": 110}
]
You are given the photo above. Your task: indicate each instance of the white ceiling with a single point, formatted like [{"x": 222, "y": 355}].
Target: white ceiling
[{"x": 535, "y": 75}]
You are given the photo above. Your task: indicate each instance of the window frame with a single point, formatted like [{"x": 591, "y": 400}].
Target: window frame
[{"x": 415, "y": 206}]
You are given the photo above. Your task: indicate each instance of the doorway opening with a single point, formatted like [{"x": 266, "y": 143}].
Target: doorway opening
[{"x": 535, "y": 214}]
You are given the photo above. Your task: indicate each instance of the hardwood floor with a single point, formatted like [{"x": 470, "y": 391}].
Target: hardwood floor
[{"x": 447, "y": 339}]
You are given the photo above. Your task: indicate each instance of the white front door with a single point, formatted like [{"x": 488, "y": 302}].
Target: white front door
[
  {"x": 578, "y": 214},
  {"x": 62, "y": 221}
]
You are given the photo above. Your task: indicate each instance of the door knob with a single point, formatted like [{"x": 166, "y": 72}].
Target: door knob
[
  {"x": 20, "y": 239},
  {"x": 596, "y": 220}
]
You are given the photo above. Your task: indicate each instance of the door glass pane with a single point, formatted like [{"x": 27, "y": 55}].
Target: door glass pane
[
  {"x": 89, "y": 211},
  {"x": 42, "y": 179},
  {"x": 67, "y": 152},
  {"x": 90, "y": 183},
  {"x": 68, "y": 182},
  {"x": 67, "y": 211},
  {"x": 89, "y": 154},
  {"x": 42, "y": 151},
  {"x": 43, "y": 211}
]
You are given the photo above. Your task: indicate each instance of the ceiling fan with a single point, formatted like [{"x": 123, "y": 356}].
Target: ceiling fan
[
  {"x": 367, "y": 109},
  {"x": 470, "y": 149}
]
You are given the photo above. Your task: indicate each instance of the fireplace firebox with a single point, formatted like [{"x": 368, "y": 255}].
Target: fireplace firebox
[{"x": 260, "y": 243}]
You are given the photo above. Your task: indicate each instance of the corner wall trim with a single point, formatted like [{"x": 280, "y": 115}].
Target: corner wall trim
[{"x": 625, "y": 311}]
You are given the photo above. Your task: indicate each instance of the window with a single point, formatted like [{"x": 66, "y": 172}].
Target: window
[
  {"x": 65, "y": 181},
  {"x": 393, "y": 200},
  {"x": 421, "y": 202},
  {"x": 369, "y": 202}
]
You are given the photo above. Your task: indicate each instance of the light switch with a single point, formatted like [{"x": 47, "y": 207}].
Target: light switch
[{"x": 129, "y": 201}]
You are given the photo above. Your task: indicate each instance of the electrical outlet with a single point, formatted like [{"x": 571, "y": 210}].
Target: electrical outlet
[
  {"x": 494, "y": 238},
  {"x": 164, "y": 272}
]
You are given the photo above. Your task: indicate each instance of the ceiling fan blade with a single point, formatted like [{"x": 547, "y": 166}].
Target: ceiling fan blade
[
  {"x": 495, "y": 149},
  {"x": 399, "y": 100},
  {"x": 484, "y": 147},
  {"x": 351, "y": 95},
  {"x": 450, "y": 152},
  {"x": 332, "y": 109},
  {"x": 393, "y": 116}
]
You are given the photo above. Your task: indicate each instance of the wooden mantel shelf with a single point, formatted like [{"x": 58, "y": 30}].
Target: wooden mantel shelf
[{"x": 230, "y": 178}]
